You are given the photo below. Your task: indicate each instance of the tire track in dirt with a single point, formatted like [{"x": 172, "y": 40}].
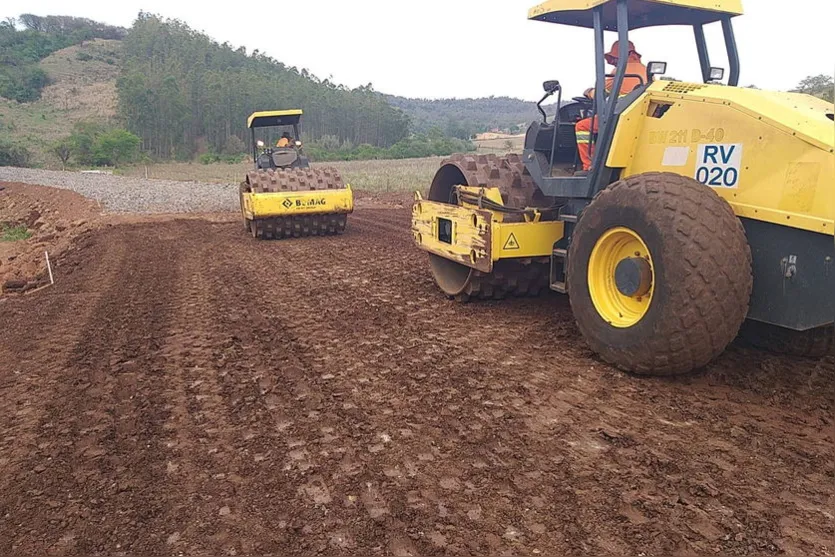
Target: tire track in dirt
[
  {"x": 387, "y": 307},
  {"x": 24, "y": 378},
  {"x": 602, "y": 437},
  {"x": 205, "y": 466},
  {"x": 275, "y": 386},
  {"x": 320, "y": 395},
  {"x": 261, "y": 370},
  {"x": 96, "y": 477},
  {"x": 312, "y": 338}
]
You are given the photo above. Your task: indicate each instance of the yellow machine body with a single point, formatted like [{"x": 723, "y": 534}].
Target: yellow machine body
[
  {"x": 745, "y": 126},
  {"x": 768, "y": 154},
  {"x": 288, "y": 204}
]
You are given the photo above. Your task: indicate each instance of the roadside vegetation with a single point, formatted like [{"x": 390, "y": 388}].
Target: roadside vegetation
[
  {"x": 10, "y": 233},
  {"x": 370, "y": 175},
  {"x": 432, "y": 144}
]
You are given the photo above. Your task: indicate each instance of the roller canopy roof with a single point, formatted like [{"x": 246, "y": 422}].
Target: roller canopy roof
[
  {"x": 274, "y": 118},
  {"x": 642, "y": 13}
]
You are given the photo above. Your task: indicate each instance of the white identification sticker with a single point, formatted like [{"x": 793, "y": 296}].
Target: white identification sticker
[
  {"x": 676, "y": 156},
  {"x": 718, "y": 165}
]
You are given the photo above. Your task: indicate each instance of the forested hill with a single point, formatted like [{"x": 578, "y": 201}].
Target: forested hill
[
  {"x": 183, "y": 93},
  {"x": 463, "y": 117},
  {"x": 20, "y": 50},
  {"x": 179, "y": 86}
]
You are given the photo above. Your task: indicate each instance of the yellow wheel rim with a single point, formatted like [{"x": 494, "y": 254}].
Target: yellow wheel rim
[{"x": 620, "y": 247}]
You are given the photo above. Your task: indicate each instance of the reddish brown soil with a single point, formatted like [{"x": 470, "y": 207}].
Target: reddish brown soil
[
  {"x": 186, "y": 390},
  {"x": 53, "y": 218}
]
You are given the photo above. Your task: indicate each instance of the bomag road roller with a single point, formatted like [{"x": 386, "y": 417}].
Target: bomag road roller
[
  {"x": 707, "y": 212},
  {"x": 283, "y": 196}
]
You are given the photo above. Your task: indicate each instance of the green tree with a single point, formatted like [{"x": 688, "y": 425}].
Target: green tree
[
  {"x": 180, "y": 89},
  {"x": 21, "y": 49},
  {"x": 115, "y": 147},
  {"x": 820, "y": 86},
  {"x": 455, "y": 128},
  {"x": 62, "y": 149},
  {"x": 83, "y": 139},
  {"x": 13, "y": 154},
  {"x": 234, "y": 146}
]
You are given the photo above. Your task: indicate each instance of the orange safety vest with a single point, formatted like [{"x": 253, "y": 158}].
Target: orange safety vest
[{"x": 634, "y": 66}]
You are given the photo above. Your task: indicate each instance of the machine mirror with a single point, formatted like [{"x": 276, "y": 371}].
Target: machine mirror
[{"x": 551, "y": 86}]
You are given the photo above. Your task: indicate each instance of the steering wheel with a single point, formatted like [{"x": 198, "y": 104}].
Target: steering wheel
[{"x": 585, "y": 100}]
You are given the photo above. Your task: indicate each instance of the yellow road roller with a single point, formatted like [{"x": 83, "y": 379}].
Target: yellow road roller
[
  {"x": 283, "y": 197},
  {"x": 707, "y": 212}
]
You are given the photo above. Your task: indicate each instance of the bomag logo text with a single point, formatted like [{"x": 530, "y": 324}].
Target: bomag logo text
[{"x": 305, "y": 202}]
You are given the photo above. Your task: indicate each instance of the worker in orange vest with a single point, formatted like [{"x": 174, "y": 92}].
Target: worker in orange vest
[
  {"x": 284, "y": 141},
  {"x": 634, "y": 66}
]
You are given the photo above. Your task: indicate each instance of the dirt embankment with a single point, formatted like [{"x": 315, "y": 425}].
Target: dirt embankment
[{"x": 51, "y": 219}]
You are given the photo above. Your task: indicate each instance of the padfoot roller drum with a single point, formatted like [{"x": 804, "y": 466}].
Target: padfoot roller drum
[
  {"x": 287, "y": 203},
  {"x": 524, "y": 276}
]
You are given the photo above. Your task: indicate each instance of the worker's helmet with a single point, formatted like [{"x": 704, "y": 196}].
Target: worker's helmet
[{"x": 614, "y": 53}]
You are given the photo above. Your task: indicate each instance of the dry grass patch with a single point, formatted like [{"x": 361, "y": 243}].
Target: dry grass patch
[{"x": 376, "y": 175}]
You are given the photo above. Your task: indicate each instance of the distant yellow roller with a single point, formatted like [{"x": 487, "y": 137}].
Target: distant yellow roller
[{"x": 284, "y": 197}]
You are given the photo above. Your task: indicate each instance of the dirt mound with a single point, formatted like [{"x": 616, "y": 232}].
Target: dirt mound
[{"x": 37, "y": 220}]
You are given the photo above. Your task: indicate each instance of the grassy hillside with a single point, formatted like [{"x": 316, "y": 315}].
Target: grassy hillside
[{"x": 82, "y": 88}]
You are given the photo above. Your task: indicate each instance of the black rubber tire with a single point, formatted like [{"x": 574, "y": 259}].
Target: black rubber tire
[
  {"x": 243, "y": 188},
  {"x": 814, "y": 343},
  {"x": 702, "y": 274}
]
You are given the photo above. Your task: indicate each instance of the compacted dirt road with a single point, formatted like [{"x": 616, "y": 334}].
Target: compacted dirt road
[{"x": 187, "y": 390}]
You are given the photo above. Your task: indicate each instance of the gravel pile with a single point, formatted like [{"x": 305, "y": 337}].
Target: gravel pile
[{"x": 120, "y": 194}]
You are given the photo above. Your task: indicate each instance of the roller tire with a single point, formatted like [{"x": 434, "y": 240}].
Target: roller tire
[
  {"x": 702, "y": 274},
  {"x": 507, "y": 173},
  {"x": 510, "y": 278},
  {"x": 279, "y": 228},
  {"x": 814, "y": 343},
  {"x": 294, "y": 180},
  {"x": 243, "y": 188}
]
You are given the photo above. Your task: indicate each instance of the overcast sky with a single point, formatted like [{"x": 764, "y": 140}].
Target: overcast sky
[{"x": 471, "y": 48}]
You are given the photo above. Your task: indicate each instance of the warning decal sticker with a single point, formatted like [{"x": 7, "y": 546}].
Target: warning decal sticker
[{"x": 511, "y": 242}]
